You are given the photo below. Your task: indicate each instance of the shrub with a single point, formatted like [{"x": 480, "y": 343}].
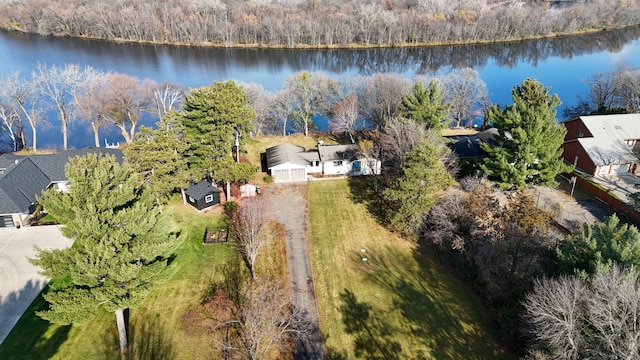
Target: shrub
[
  {"x": 231, "y": 207},
  {"x": 268, "y": 179}
]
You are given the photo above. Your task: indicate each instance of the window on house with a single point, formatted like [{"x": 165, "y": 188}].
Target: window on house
[
  {"x": 356, "y": 166},
  {"x": 208, "y": 198},
  {"x": 191, "y": 199},
  {"x": 337, "y": 163}
]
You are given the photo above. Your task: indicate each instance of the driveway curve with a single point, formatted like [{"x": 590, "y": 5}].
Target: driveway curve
[{"x": 289, "y": 202}]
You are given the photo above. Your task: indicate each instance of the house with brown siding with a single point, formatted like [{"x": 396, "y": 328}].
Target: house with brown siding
[{"x": 602, "y": 145}]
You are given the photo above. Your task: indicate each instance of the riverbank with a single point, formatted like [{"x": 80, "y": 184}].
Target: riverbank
[{"x": 353, "y": 46}]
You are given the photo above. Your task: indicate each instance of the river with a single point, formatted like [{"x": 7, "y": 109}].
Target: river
[{"x": 559, "y": 63}]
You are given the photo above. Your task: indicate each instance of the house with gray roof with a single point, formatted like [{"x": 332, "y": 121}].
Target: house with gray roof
[
  {"x": 287, "y": 162},
  {"x": 24, "y": 178},
  {"x": 602, "y": 145}
]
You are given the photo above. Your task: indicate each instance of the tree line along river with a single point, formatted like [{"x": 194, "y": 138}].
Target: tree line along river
[{"x": 560, "y": 63}]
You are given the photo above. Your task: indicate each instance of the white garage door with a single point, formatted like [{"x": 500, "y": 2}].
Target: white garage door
[
  {"x": 298, "y": 175},
  {"x": 280, "y": 174}
]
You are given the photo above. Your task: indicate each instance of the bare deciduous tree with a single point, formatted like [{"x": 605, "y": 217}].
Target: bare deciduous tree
[
  {"x": 10, "y": 122},
  {"x": 594, "y": 318},
  {"x": 252, "y": 230},
  {"x": 25, "y": 98},
  {"x": 398, "y": 138},
  {"x": 468, "y": 95},
  {"x": 87, "y": 104},
  {"x": 57, "y": 84},
  {"x": 261, "y": 319},
  {"x": 554, "y": 309},
  {"x": 344, "y": 116},
  {"x": 166, "y": 97},
  {"x": 124, "y": 100},
  {"x": 382, "y": 97}
]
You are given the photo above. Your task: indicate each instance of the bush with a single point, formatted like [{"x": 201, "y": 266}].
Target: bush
[
  {"x": 268, "y": 179},
  {"x": 231, "y": 207}
]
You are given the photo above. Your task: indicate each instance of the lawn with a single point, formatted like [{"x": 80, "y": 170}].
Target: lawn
[
  {"x": 155, "y": 328},
  {"x": 399, "y": 303}
]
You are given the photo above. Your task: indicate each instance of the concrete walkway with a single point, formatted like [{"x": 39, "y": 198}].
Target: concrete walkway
[
  {"x": 290, "y": 209},
  {"x": 20, "y": 282}
]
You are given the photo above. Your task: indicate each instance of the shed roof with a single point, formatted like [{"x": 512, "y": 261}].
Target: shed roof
[{"x": 201, "y": 189}]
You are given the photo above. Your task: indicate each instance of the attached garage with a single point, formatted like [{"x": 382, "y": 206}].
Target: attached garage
[
  {"x": 288, "y": 172},
  {"x": 285, "y": 163}
]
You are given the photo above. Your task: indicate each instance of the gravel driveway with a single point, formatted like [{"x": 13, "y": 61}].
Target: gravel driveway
[{"x": 289, "y": 203}]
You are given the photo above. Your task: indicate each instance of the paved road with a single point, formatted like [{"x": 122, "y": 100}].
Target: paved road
[
  {"x": 290, "y": 208},
  {"x": 20, "y": 282}
]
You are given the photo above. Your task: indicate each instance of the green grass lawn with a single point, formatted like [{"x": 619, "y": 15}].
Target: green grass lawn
[
  {"x": 399, "y": 304},
  {"x": 155, "y": 328}
]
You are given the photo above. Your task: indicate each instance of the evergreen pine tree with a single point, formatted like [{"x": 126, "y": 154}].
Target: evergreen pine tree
[
  {"x": 426, "y": 105},
  {"x": 118, "y": 253},
  {"x": 528, "y": 140},
  {"x": 158, "y": 154},
  {"x": 212, "y": 116},
  {"x": 414, "y": 192}
]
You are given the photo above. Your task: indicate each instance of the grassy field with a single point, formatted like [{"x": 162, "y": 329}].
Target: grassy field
[
  {"x": 398, "y": 304},
  {"x": 155, "y": 328}
]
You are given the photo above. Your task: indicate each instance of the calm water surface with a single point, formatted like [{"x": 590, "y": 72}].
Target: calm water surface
[{"x": 560, "y": 63}]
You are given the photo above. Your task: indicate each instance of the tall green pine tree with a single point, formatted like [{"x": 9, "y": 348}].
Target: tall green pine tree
[
  {"x": 158, "y": 154},
  {"x": 528, "y": 140},
  {"x": 118, "y": 253},
  {"x": 426, "y": 105},
  {"x": 212, "y": 115},
  {"x": 415, "y": 190}
]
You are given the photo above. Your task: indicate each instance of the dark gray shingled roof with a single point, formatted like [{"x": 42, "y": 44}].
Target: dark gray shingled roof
[
  {"x": 201, "y": 189},
  {"x": 7, "y": 160},
  {"x": 20, "y": 185},
  {"x": 53, "y": 164},
  {"x": 21, "y": 182}
]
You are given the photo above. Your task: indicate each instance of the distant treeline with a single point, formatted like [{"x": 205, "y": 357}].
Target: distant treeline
[{"x": 314, "y": 23}]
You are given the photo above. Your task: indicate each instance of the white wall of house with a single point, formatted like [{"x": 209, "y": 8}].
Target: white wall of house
[
  {"x": 365, "y": 167},
  {"x": 336, "y": 167},
  {"x": 61, "y": 186},
  {"x": 315, "y": 167}
]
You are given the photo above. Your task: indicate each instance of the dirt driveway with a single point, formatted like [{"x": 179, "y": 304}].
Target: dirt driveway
[
  {"x": 20, "y": 282},
  {"x": 289, "y": 203}
]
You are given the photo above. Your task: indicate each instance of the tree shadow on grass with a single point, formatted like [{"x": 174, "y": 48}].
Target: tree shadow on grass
[
  {"x": 436, "y": 311},
  {"x": 29, "y": 339},
  {"x": 373, "y": 336},
  {"x": 362, "y": 192},
  {"x": 150, "y": 340}
]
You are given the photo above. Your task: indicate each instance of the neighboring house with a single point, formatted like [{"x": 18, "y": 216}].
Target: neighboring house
[
  {"x": 203, "y": 195},
  {"x": 286, "y": 162},
  {"x": 24, "y": 178},
  {"x": 603, "y": 145}
]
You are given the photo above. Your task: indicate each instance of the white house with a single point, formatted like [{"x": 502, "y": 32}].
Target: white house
[{"x": 286, "y": 162}]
